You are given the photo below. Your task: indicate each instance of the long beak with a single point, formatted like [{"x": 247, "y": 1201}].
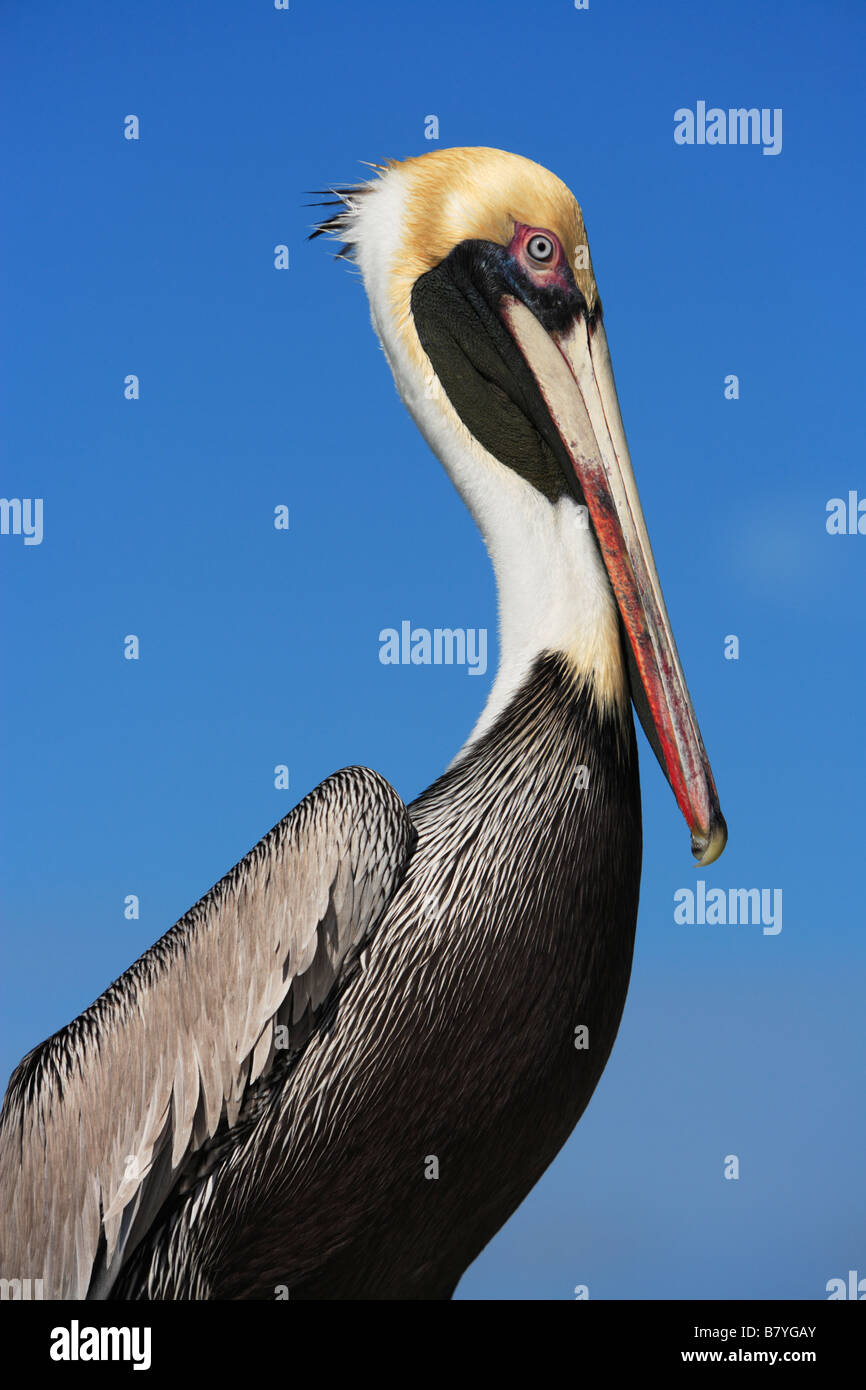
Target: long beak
[{"x": 574, "y": 375}]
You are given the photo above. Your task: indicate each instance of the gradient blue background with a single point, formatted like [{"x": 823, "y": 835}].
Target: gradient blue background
[{"x": 260, "y": 647}]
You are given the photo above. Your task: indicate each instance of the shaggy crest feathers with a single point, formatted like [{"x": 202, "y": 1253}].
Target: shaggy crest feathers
[
  {"x": 345, "y": 197},
  {"x": 338, "y": 223}
]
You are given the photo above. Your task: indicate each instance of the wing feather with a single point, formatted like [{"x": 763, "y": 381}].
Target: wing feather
[{"x": 100, "y": 1121}]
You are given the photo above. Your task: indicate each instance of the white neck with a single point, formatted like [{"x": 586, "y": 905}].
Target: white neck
[{"x": 554, "y": 594}]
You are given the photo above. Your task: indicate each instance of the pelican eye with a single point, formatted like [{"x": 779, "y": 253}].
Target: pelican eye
[{"x": 540, "y": 248}]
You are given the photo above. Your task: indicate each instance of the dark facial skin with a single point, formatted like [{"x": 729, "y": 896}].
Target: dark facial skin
[{"x": 455, "y": 307}]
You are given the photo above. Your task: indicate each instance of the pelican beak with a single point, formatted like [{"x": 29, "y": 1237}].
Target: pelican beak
[{"x": 573, "y": 373}]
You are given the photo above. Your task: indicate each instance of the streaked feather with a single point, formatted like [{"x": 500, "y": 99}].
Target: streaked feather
[{"x": 100, "y": 1120}]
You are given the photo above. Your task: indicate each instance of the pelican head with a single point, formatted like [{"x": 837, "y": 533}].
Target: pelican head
[{"x": 477, "y": 268}]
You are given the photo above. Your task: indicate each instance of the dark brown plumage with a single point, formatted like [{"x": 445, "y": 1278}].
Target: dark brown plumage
[{"x": 451, "y": 1037}]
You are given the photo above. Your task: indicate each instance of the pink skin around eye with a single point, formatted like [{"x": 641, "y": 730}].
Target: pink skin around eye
[{"x": 552, "y": 272}]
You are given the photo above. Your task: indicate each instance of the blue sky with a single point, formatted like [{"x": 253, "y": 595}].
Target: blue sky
[{"x": 259, "y": 647}]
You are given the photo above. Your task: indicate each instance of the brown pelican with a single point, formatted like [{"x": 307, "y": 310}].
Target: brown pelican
[{"x": 343, "y": 1069}]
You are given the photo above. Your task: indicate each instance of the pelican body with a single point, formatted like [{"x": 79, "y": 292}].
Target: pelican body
[{"x": 340, "y": 1073}]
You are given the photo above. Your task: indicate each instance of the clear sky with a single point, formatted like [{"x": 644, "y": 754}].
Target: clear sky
[{"x": 259, "y": 647}]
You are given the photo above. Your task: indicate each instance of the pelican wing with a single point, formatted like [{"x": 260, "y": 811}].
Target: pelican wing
[{"x": 100, "y": 1120}]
